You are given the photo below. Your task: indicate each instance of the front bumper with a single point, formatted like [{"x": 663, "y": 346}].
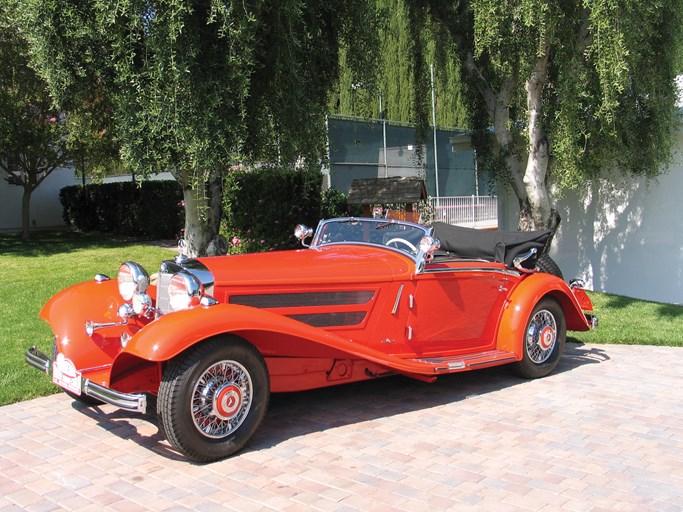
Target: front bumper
[
  {"x": 592, "y": 320},
  {"x": 136, "y": 402}
]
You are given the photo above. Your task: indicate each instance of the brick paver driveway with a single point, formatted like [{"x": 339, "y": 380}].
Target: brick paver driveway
[{"x": 604, "y": 432}]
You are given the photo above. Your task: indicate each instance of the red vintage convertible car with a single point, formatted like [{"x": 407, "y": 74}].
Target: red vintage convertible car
[{"x": 211, "y": 338}]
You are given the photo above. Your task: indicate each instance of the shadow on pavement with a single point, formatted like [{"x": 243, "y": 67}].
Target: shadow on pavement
[{"x": 296, "y": 414}]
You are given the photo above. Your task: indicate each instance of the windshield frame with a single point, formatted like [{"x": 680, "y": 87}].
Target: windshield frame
[{"x": 364, "y": 224}]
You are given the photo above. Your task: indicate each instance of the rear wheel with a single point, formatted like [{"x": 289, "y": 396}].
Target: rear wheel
[
  {"x": 213, "y": 398},
  {"x": 544, "y": 340}
]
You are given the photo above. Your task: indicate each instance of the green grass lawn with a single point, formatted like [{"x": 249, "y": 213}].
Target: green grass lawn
[
  {"x": 628, "y": 321},
  {"x": 30, "y": 273}
]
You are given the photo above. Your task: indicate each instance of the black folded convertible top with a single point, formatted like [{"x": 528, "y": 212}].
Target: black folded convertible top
[{"x": 500, "y": 246}]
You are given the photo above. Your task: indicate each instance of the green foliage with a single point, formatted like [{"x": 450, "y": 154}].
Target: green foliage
[
  {"x": 395, "y": 74},
  {"x": 333, "y": 204},
  {"x": 614, "y": 106},
  {"x": 263, "y": 205},
  {"x": 194, "y": 85},
  {"x": 608, "y": 100},
  {"x": 151, "y": 209},
  {"x": 32, "y": 130}
]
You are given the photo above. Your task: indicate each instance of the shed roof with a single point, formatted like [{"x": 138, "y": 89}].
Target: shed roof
[{"x": 401, "y": 190}]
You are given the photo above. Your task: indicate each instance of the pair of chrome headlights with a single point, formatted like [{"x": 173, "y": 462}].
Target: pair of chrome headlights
[{"x": 184, "y": 289}]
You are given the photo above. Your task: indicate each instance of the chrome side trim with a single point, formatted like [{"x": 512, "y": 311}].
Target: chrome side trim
[
  {"x": 481, "y": 270},
  {"x": 398, "y": 299}
]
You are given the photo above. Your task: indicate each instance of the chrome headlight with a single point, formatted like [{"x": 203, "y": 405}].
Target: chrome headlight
[
  {"x": 132, "y": 279},
  {"x": 184, "y": 291}
]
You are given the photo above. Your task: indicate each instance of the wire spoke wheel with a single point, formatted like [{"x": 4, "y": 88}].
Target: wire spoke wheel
[
  {"x": 543, "y": 340},
  {"x": 541, "y": 336},
  {"x": 213, "y": 397},
  {"x": 221, "y": 399}
]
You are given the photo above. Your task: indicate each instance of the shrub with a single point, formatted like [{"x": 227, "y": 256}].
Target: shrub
[
  {"x": 333, "y": 204},
  {"x": 262, "y": 206},
  {"x": 150, "y": 209}
]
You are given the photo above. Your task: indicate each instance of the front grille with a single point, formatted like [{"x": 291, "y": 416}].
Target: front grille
[{"x": 163, "y": 303}]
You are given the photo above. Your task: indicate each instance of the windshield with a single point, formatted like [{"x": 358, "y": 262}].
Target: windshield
[{"x": 395, "y": 234}]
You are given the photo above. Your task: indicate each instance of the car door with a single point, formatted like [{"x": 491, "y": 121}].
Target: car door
[{"x": 456, "y": 309}]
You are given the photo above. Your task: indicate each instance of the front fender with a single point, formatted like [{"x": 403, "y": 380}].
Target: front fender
[
  {"x": 67, "y": 313},
  {"x": 523, "y": 300},
  {"x": 274, "y": 335}
]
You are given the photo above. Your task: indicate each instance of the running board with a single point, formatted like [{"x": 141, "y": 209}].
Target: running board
[{"x": 468, "y": 362}]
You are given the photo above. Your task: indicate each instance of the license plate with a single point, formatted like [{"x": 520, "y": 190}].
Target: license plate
[{"x": 65, "y": 375}]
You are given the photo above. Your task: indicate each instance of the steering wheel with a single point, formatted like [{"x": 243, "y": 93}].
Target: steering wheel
[{"x": 404, "y": 242}]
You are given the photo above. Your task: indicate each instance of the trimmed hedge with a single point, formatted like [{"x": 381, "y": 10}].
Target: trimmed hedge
[
  {"x": 262, "y": 206},
  {"x": 150, "y": 209}
]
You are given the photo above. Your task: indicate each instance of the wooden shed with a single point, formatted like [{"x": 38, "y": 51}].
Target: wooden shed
[{"x": 401, "y": 190}]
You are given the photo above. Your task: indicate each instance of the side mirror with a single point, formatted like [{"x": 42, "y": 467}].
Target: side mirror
[{"x": 302, "y": 232}]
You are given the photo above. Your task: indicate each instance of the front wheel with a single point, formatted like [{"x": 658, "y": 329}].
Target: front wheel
[
  {"x": 544, "y": 340},
  {"x": 213, "y": 398}
]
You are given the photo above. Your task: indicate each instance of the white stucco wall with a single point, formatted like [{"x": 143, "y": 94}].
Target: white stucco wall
[
  {"x": 623, "y": 237},
  {"x": 46, "y": 210}
]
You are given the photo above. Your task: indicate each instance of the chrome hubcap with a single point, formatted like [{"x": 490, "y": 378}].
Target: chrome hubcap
[
  {"x": 221, "y": 399},
  {"x": 541, "y": 336}
]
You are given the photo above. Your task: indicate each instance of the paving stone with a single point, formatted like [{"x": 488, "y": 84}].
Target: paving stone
[{"x": 603, "y": 432}]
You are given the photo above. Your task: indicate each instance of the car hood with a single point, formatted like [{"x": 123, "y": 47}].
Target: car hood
[{"x": 329, "y": 264}]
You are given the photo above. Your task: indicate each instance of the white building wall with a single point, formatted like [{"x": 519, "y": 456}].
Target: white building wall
[
  {"x": 622, "y": 237},
  {"x": 46, "y": 209}
]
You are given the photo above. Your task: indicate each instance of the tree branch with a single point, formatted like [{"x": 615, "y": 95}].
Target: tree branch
[{"x": 584, "y": 38}]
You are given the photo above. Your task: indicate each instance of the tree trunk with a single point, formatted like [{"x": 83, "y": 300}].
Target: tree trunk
[
  {"x": 538, "y": 213},
  {"x": 203, "y": 210},
  {"x": 26, "y": 214}
]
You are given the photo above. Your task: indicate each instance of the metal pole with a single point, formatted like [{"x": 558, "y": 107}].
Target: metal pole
[
  {"x": 384, "y": 135},
  {"x": 327, "y": 184},
  {"x": 436, "y": 160}
]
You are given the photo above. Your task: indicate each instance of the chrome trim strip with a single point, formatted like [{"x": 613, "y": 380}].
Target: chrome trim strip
[
  {"x": 398, "y": 298},
  {"x": 501, "y": 360},
  {"x": 482, "y": 270}
]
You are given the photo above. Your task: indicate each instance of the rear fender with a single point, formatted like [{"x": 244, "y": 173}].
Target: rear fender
[
  {"x": 521, "y": 303},
  {"x": 272, "y": 334}
]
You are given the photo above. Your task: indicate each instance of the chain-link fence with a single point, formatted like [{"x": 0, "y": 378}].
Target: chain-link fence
[{"x": 372, "y": 148}]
